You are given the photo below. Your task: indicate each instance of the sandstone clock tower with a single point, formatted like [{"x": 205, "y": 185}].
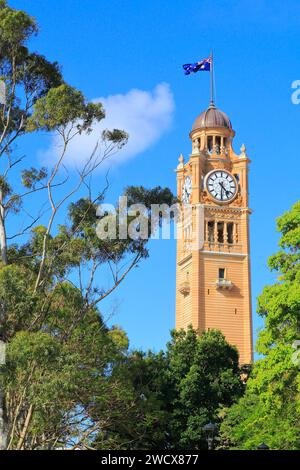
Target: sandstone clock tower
[{"x": 213, "y": 287}]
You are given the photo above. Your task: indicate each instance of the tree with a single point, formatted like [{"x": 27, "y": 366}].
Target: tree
[
  {"x": 205, "y": 375},
  {"x": 138, "y": 418},
  {"x": 269, "y": 411},
  {"x": 60, "y": 354},
  {"x": 174, "y": 393}
]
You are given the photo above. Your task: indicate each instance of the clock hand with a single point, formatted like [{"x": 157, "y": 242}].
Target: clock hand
[
  {"x": 185, "y": 194},
  {"x": 226, "y": 191},
  {"x": 222, "y": 189}
]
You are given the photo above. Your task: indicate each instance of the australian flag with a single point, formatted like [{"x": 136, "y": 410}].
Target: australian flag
[{"x": 203, "y": 65}]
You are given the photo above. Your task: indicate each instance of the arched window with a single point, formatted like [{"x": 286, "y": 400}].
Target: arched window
[
  {"x": 209, "y": 143},
  {"x": 210, "y": 231},
  {"x": 218, "y": 145},
  {"x": 230, "y": 232},
  {"x": 220, "y": 230}
]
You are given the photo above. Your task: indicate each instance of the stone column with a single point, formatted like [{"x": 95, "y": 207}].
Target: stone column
[
  {"x": 215, "y": 232},
  {"x": 235, "y": 234},
  {"x": 225, "y": 234}
]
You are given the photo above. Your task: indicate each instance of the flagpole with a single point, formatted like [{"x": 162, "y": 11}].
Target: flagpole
[{"x": 212, "y": 80}]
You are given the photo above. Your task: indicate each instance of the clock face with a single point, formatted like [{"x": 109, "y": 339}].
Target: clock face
[
  {"x": 221, "y": 185},
  {"x": 187, "y": 190}
]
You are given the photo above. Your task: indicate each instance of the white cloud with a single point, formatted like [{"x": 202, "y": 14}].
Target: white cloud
[{"x": 145, "y": 115}]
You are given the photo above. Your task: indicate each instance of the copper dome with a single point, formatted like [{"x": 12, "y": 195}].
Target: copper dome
[{"x": 212, "y": 117}]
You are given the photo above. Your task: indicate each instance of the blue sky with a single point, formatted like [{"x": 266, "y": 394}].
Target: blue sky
[{"x": 109, "y": 48}]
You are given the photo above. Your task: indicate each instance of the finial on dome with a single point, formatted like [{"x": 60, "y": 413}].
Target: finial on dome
[
  {"x": 181, "y": 162},
  {"x": 243, "y": 151}
]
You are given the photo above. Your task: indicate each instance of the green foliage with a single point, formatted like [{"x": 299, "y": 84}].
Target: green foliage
[
  {"x": 16, "y": 27},
  {"x": 5, "y": 187},
  {"x": 17, "y": 301},
  {"x": 171, "y": 396},
  {"x": 62, "y": 106},
  {"x": 81, "y": 364},
  {"x": 116, "y": 136},
  {"x": 206, "y": 378},
  {"x": 53, "y": 373},
  {"x": 270, "y": 410},
  {"x": 39, "y": 76},
  {"x": 137, "y": 419},
  {"x": 159, "y": 205},
  {"x": 280, "y": 303},
  {"x": 82, "y": 213},
  {"x": 119, "y": 338},
  {"x": 69, "y": 379},
  {"x": 141, "y": 195},
  {"x": 33, "y": 176},
  {"x": 27, "y": 76}
]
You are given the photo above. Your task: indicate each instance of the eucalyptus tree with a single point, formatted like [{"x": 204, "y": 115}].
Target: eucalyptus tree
[
  {"x": 60, "y": 354},
  {"x": 171, "y": 395}
]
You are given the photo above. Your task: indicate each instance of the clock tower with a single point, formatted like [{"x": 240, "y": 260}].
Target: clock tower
[{"x": 213, "y": 286}]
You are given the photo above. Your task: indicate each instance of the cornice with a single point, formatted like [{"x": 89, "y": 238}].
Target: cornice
[
  {"x": 227, "y": 208},
  {"x": 224, "y": 253},
  {"x": 185, "y": 259}
]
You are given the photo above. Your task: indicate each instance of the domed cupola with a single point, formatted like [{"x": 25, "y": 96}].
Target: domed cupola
[
  {"x": 212, "y": 132},
  {"x": 212, "y": 117}
]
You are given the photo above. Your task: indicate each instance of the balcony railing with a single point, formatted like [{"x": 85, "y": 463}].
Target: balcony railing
[
  {"x": 224, "y": 284},
  {"x": 223, "y": 247}
]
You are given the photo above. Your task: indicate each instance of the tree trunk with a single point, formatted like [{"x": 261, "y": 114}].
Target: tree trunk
[
  {"x": 3, "y": 239},
  {"x": 25, "y": 428},
  {"x": 3, "y": 428},
  {"x": 3, "y": 245}
]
